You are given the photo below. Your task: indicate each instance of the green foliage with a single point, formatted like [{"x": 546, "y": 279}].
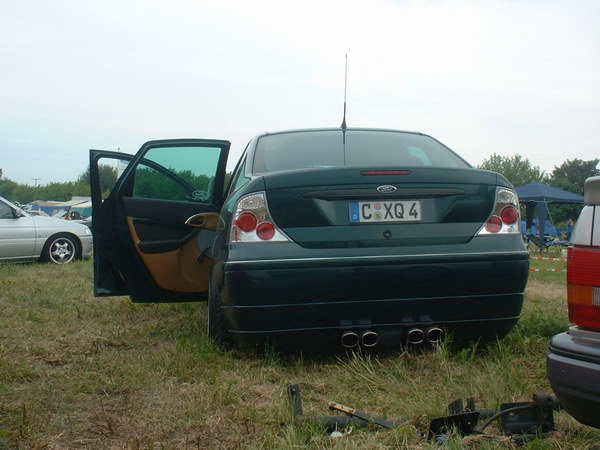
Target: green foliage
[
  {"x": 7, "y": 187},
  {"x": 24, "y": 193},
  {"x": 150, "y": 183},
  {"x": 570, "y": 176},
  {"x": 64, "y": 191},
  {"x": 518, "y": 170},
  {"x": 108, "y": 177}
]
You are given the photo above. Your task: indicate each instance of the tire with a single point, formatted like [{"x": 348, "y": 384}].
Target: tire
[
  {"x": 218, "y": 329},
  {"x": 61, "y": 248}
]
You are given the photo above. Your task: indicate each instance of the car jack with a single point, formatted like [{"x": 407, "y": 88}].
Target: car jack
[
  {"x": 524, "y": 418},
  {"x": 517, "y": 419}
]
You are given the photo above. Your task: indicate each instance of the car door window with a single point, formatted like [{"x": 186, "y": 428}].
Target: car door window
[
  {"x": 177, "y": 173},
  {"x": 5, "y": 211}
]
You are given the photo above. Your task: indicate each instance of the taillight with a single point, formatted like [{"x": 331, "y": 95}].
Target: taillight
[
  {"x": 246, "y": 222},
  {"x": 252, "y": 221},
  {"x": 583, "y": 286},
  {"x": 510, "y": 215},
  {"x": 505, "y": 217},
  {"x": 494, "y": 224},
  {"x": 265, "y": 231}
]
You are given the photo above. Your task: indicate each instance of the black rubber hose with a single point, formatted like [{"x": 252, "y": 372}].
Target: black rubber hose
[{"x": 506, "y": 411}]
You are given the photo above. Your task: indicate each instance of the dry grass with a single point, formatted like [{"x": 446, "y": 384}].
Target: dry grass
[{"x": 81, "y": 372}]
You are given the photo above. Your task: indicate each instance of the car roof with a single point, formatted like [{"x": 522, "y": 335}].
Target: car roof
[{"x": 308, "y": 130}]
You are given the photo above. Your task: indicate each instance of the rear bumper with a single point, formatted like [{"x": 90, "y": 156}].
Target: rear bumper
[
  {"x": 574, "y": 373},
  {"x": 476, "y": 296}
]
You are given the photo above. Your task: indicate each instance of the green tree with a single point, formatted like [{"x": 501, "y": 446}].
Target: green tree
[
  {"x": 7, "y": 188},
  {"x": 21, "y": 193},
  {"x": 64, "y": 191},
  {"x": 518, "y": 170},
  {"x": 570, "y": 176},
  {"x": 108, "y": 177},
  {"x": 24, "y": 193},
  {"x": 150, "y": 183}
]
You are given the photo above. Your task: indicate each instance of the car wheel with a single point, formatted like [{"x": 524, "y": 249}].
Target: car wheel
[
  {"x": 60, "y": 249},
  {"x": 217, "y": 324}
]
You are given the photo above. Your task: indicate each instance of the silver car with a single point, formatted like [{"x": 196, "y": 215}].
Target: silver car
[{"x": 24, "y": 237}]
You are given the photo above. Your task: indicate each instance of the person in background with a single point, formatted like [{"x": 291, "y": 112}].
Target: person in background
[{"x": 569, "y": 229}]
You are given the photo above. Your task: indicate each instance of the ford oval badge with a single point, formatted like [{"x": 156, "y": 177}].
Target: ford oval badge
[{"x": 387, "y": 189}]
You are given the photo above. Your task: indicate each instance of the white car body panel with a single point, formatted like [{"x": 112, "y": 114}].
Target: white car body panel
[
  {"x": 17, "y": 238},
  {"x": 587, "y": 231}
]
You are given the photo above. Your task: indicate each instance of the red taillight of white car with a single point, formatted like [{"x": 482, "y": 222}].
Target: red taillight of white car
[
  {"x": 253, "y": 223},
  {"x": 583, "y": 286},
  {"x": 583, "y": 262},
  {"x": 505, "y": 217}
]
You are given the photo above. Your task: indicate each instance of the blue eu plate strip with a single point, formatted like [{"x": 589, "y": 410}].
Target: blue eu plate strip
[{"x": 354, "y": 212}]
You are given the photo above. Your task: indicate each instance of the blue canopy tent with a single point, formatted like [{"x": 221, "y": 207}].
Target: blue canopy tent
[{"x": 540, "y": 194}]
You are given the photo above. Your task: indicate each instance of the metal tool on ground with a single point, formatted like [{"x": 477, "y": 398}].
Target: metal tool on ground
[
  {"x": 295, "y": 400},
  {"x": 337, "y": 423},
  {"x": 464, "y": 423},
  {"x": 462, "y": 418},
  {"x": 532, "y": 417},
  {"x": 361, "y": 415},
  {"x": 334, "y": 423},
  {"x": 520, "y": 420}
]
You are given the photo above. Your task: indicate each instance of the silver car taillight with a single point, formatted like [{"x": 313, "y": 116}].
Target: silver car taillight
[
  {"x": 505, "y": 217},
  {"x": 253, "y": 223}
]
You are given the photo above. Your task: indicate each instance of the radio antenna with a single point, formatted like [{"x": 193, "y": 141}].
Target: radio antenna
[{"x": 345, "y": 86}]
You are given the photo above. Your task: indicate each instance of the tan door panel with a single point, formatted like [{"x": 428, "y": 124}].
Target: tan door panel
[{"x": 179, "y": 270}]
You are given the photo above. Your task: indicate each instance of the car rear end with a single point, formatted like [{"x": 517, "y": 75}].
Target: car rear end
[
  {"x": 574, "y": 357},
  {"x": 371, "y": 237}
]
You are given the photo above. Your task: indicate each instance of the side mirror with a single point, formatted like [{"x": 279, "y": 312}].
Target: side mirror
[{"x": 18, "y": 212}]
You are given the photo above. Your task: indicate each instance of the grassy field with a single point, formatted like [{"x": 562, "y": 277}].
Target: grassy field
[{"x": 81, "y": 372}]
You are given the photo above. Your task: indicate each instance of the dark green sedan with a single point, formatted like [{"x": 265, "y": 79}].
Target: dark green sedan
[{"x": 324, "y": 238}]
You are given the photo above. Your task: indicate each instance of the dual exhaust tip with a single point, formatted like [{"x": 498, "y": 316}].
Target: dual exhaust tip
[
  {"x": 351, "y": 339},
  {"x": 414, "y": 336}
]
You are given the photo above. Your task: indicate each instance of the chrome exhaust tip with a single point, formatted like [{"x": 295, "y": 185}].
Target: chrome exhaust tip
[
  {"x": 369, "y": 339},
  {"x": 415, "y": 336},
  {"x": 435, "y": 335},
  {"x": 349, "y": 339}
]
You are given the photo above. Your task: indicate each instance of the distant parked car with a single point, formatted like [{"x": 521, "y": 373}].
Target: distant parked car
[
  {"x": 327, "y": 237},
  {"x": 25, "y": 237},
  {"x": 78, "y": 214},
  {"x": 574, "y": 357}
]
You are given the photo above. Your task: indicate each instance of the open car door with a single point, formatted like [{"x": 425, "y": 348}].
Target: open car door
[{"x": 152, "y": 232}]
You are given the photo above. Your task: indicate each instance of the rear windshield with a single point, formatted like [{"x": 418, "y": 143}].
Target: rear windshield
[{"x": 330, "y": 148}]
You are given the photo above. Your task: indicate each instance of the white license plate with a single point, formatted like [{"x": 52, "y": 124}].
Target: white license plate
[{"x": 385, "y": 211}]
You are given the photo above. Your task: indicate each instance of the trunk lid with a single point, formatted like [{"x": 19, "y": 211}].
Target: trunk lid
[{"x": 326, "y": 207}]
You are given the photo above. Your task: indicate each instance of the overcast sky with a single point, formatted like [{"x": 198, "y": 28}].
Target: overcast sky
[{"x": 485, "y": 76}]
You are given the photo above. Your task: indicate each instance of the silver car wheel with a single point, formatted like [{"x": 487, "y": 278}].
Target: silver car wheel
[{"x": 61, "y": 250}]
